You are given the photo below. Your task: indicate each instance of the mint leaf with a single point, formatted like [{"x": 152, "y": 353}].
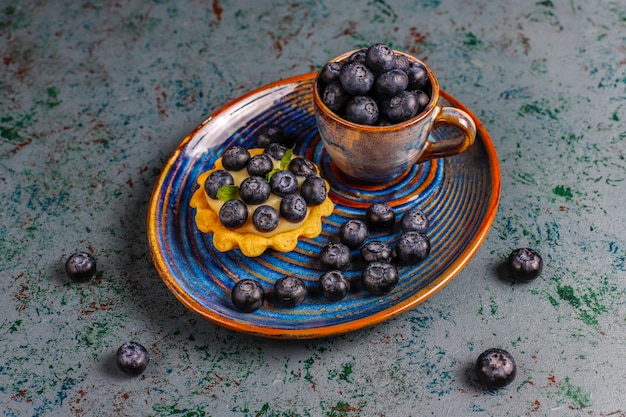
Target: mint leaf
[
  {"x": 228, "y": 192},
  {"x": 284, "y": 161},
  {"x": 269, "y": 174}
]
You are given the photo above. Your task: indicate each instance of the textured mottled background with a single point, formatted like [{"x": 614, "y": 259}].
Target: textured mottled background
[{"x": 96, "y": 95}]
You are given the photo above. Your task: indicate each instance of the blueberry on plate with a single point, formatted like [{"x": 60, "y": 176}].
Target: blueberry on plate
[
  {"x": 356, "y": 78},
  {"x": 302, "y": 167},
  {"x": 216, "y": 180},
  {"x": 380, "y": 216},
  {"x": 495, "y": 368},
  {"x": 271, "y": 133},
  {"x": 376, "y": 251},
  {"x": 391, "y": 83},
  {"x": 235, "y": 158},
  {"x": 290, "y": 291},
  {"x": 254, "y": 190},
  {"x": 313, "y": 190},
  {"x": 335, "y": 97},
  {"x": 400, "y": 107},
  {"x": 418, "y": 76},
  {"x": 265, "y": 218},
  {"x": 247, "y": 295},
  {"x": 362, "y": 110},
  {"x": 330, "y": 72},
  {"x": 233, "y": 214},
  {"x": 335, "y": 255},
  {"x": 260, "y": 165},
  {"x": 333, "y": 285},
  {"x": 353, "y": 233},
  {"x": 380, "y": 58},
  {"x": 80, "y": 266},
  {"x": 379, "y": 278},
  {"x": 284, "y": 182},
  {"x": 414, "y": 220},
  {"x": 293, "y": 208},
  {"x": 524, "y": 264},
  {"x": 132, "y": 358},
  {"x": 412, "y": 248}
]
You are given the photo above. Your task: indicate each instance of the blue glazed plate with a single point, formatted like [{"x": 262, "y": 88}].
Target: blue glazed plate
[{"x": 459, "y": 194}]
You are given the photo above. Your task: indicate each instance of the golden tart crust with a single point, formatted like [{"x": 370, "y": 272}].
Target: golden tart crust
[{"x": 254, "y": 244}]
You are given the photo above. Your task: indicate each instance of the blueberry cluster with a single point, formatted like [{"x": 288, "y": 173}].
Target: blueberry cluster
[
  {"x": 379, "y": 276},
  {"x": 375, "y": 86},
  {"x": 262, "y": 181}
]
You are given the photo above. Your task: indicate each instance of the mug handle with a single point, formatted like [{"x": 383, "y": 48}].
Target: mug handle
[{"x": 451, "y": 146}]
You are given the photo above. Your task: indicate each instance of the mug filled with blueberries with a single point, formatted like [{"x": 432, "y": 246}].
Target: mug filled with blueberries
[{"x": 375, "y": 110}]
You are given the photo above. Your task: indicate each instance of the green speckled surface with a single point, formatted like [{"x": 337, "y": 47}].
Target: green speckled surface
[{"x": 95, "y": 96}]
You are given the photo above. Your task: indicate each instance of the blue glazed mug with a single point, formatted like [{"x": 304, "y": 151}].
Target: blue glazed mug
[{"x": 378, "y": 154}]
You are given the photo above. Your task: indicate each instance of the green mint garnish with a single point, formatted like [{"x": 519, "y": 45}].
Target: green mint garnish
[
  {"x": 284, "y": 161},
  {"x": 269, "y": 174},
  {"x": 228, "y": 192}
]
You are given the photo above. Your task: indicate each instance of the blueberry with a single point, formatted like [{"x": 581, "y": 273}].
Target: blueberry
[
  {"x": 290, "y": 291},
  {"x": 495, "y": 368},
  {"x": 414, "y": 220},
  {"x": 380, "y": 278},
  {"x": 247, "y": 295},
  {"x": 391, "y": 83},
  {"x": 353, "y": 233},
  {"x": 362, "y": 110},
  {"x": 217, "y": 179},
  {"x": 276, "y": 150},
  {"x": 313, "y": 190},
  {"x": 380, "y": 58},
  {"x": 376, "y": 251},
  {"x": 335, "y": 97},
  {"x": 330, "y": 72},
  {"x": 233, "y": 214},
  {"x": 380, "y": 216},
  {"x": 80, "y": 267},
  {"x": 412, "y": 247},
  {"x": 357, "y": 56},
  {"x": 293, "y": 208},
  {"x": 400, "y": 107},
  {"x": 284, "y": 182},
  {"x": 302, "y": 167},
  {"x": 132, "y": 358},
  {"x": 333, "y": 285},
  {"x": 254, "y": 190},
  {"x": 335, "y": 255},
  {"x": 524, "y": 264},
  {"x": 271, "y": 133},
  {"x": 265, "y": 218},
  {"x": 418, "y": 76},
  {"x": 422, "y": 100},
  {"x": 260, "y": 165},
  {"x": 235, "y": 158},
  {"x": 356, "y": 78},
  {"x": 402, "y": 62}
]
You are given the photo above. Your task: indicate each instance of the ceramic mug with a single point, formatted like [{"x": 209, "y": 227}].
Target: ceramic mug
[{"x": 378, "y": 154}]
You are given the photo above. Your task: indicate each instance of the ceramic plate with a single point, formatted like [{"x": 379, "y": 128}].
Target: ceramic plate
[{"x": 459, "y": 194}]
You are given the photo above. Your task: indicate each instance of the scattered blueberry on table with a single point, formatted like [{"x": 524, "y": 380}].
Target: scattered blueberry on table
[
  {"x": 132, "y": 358},
  {"x": 524, "y": 264},
  {"x": 80, "y": 267},
  {"x": 495, "y": 368},
  {"x": 247, "y": 295}
]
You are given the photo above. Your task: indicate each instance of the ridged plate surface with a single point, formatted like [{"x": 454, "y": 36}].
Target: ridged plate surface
[{"x": 459, "y": 194}]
